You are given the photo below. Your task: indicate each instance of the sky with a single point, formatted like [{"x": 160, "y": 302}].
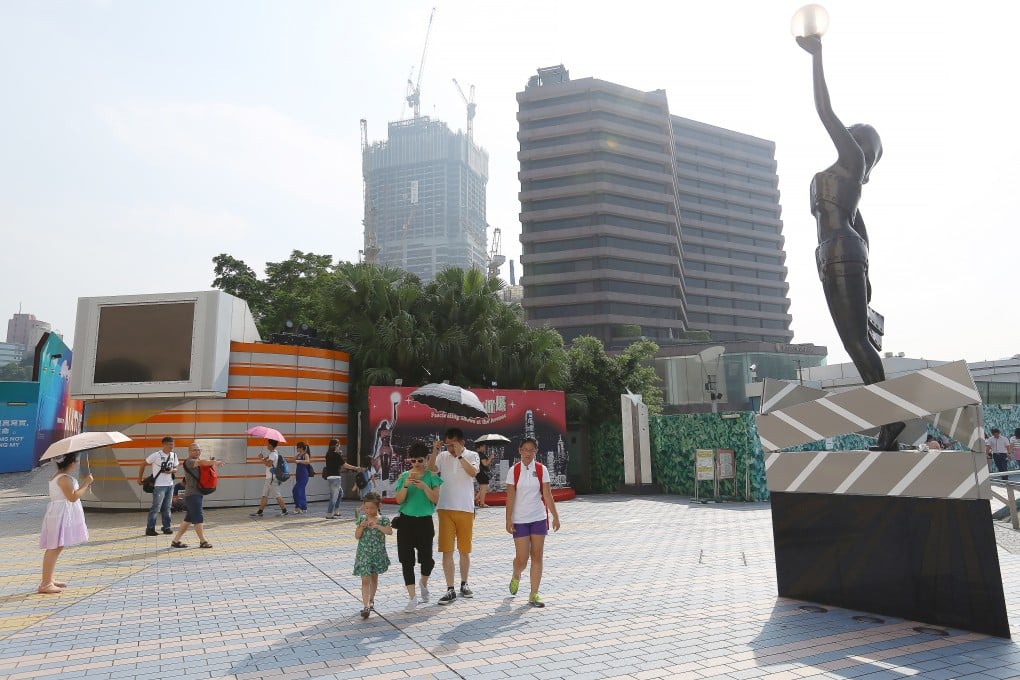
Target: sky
[{"x": 141, "y": 139}]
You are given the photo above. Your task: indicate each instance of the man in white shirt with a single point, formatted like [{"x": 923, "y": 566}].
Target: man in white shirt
[
  {"x": 269, "y": 458},
  {"x": 998, "y": 447},
  {"x": 162, "y": 465},
  {"x": 456, "y": 508}
]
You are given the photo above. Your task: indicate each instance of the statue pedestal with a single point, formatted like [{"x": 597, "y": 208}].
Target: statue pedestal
[{"x": 900, "y": 533}]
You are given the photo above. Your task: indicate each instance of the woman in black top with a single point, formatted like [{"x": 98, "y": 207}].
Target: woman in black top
[
  {"x": 484, "y": 461},
  {"x": 335, "y": 465}
]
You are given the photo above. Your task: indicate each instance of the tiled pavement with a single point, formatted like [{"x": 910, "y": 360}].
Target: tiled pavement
[{"x": 653, "y": 587}]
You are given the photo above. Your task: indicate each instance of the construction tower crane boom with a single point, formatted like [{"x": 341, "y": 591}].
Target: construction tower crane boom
[
  {"x": 496, "y": 257},
  {"x": 414, "y": 89},
  {"x": 471, "y": 106}
]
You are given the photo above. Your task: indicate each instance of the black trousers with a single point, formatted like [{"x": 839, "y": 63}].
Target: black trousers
[{"x": 415, "y": 534}]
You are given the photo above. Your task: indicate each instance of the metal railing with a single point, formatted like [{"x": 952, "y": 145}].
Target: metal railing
[{"x": 1011, "y": 485}]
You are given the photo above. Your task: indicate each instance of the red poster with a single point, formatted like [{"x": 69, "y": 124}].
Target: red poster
[{"x": 395, "y": 420}]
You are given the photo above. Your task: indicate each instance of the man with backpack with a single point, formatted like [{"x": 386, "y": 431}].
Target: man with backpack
[
  {"x": 162, "y": 466},
  {"x": 276, "y": 473},
  {"x": 193, "y": 497}
]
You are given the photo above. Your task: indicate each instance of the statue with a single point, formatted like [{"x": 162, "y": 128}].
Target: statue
[{"x": 842, "y": 254}]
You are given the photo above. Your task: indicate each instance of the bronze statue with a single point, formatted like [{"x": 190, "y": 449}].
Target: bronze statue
[{"x": 842, "y": 254}]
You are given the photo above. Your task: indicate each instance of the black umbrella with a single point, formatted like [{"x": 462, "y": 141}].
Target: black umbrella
[{"x": 451, "y": 399}]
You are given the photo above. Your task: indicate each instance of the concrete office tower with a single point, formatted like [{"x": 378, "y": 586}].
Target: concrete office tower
[
  {"x": 733, "y": 257},
  {"x": 600, "y": 238},
  {"x": 425, "y": 198},
  {"x": 636, "y": 222},
  {"x": 26, "y": 330}
]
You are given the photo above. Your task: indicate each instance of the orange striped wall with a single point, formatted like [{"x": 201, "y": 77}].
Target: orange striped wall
[{"x": 300, "y": 391}]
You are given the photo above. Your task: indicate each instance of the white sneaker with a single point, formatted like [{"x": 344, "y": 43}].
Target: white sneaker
[
  {"x": 412, "y": 604},
  {"x": 424, "y": 592}
]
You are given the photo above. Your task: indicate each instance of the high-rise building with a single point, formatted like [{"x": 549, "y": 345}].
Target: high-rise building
[
  {"x": 26, "y": 330},
  {"x": 733, "y": 260},
  {"x": 639, "y": 223},
  {"x": 600, "y": 238},
  {"x": 425, "y": 198}
]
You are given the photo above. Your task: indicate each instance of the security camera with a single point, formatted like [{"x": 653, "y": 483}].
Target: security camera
[{"x": 753, "y": 367}]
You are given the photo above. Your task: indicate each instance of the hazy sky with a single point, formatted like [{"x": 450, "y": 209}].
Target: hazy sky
[{"x": 140, "y": 139}]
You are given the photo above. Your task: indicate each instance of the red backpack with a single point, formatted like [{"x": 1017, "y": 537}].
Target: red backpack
[{"x": 206, "y": 479}]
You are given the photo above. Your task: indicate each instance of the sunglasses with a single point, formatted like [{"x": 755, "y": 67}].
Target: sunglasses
[{"x": 417, "y": 460}]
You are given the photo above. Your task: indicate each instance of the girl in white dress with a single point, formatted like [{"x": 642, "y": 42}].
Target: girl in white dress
[{"x": 64, "y": 522}]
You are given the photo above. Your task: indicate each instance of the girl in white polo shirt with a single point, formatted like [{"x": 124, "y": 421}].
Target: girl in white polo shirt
[{"x": 529, "y": 503}]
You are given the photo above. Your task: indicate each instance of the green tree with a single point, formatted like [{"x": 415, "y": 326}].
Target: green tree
[
  {"x": 18, "y": 371},
  {"x": 597, "y": 379}
]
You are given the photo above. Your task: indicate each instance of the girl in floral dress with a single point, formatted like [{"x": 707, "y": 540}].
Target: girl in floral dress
[{"x": 371, "y": 559}]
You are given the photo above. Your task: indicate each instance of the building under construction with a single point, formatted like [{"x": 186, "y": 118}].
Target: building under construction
[{"x": 425, "y": 198}]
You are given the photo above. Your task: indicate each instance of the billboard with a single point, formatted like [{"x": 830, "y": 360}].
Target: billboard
[
  {"x": 59, "y": 415},
  {"x": 395, "y": 420}
]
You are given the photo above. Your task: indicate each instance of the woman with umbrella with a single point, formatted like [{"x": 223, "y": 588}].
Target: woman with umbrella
[{"x": 64, "y": 522}]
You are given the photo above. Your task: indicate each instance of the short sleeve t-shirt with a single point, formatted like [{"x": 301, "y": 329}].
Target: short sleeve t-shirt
[
  {"x": 416, "y": 503},
  {"x": 458, "y": 492},
  {"x": 528, "y": 506},
  {"x": 191, "y": 473},
  {"x": 156, "y": 461},
  {"x": 997, "y": 444},
  {"x": 272, "y": 457}
]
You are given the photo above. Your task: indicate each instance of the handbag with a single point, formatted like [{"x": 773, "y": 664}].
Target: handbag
[
  {"x": 149, "y": 483},
  {"x": 324, "y": 476}
]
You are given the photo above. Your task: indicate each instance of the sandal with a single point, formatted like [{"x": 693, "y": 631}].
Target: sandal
[
  {"x": 365, "y": 612},
  {"x": 205, "y": 544},
  {"x": 178, "y": 544}
]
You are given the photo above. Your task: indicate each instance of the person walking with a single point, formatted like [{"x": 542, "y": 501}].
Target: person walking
[
  {"x": 1014, "y": 445},
  {"x": 269, "y": 458},
  {"x": 529, "y": 502},
  {"x": 998, "y": 448},
  {"x": 484, "y": 461},
  {"x": 335, "y": 465},
  {"x": 302, "y": 473},
  {"x": 162, "y": 465},
  {"x": 193, "y": 514},
  {"x": 371, "y": 558},
  {"x": 417, "y": 494},
  {"x": 456, "y": 508},
  {"x": 63, "y": 524}
]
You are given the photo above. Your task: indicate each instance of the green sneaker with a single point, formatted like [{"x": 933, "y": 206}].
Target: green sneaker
[
  {"x": 536, "y": 601},
  {"x": 515, "y": 583}
]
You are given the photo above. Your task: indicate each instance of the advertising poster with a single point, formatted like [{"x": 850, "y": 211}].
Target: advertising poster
[
  {"x": 726, "y": 460},
  {"x": 704, "y": 464},
  {"x": 18, "y": 405},
  {"x": 395, "y": 420},
  {"x": 59, "y": 416}
]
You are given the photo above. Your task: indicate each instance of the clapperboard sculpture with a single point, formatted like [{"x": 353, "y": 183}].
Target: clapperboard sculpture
[{"x": 899, "y": 533}]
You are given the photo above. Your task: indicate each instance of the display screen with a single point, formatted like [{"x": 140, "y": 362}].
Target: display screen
[{"x": 145, "y": 343}]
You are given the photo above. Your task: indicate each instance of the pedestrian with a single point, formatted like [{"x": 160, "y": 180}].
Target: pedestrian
[
  {"x": 193, "y": 514},
  {"x": 417, "y": 494},
  {"x": 335, "y": 465},
  {"x": 998, "y": 448},
  {"x": 302, "y": 473},
  {"x": 270, "y": 458},
  {"x": 484, "y": 461},
  {"x": 63, "y": 524},
  {"x": 371, "y": 558},
  {"x": 529, "y": 502},
  {"x": 457, "y": 466},
  {"x": 1014, "y": 445},
  {"x": 932, "y": 443},
  {"x": 162, "y": 465}
]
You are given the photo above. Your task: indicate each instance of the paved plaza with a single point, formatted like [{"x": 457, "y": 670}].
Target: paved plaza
[{"x": 636, "y": 587}]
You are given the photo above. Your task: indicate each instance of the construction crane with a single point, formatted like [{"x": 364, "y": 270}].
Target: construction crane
[
  {"x": 471, "y": 106},
  {"x": 414, "y": 89},
  {"x": 371, "y": 252},
  {"x": 496, "y": 258}
]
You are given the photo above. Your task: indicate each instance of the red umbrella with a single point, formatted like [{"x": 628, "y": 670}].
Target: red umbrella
[{"x": 266, "y": 433}]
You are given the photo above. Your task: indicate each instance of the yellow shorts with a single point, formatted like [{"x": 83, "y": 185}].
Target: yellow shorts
[{"x": 455, "y": 523}]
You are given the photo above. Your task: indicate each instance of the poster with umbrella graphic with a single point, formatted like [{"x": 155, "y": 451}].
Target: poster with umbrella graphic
[{"x": 396, "y": 418}]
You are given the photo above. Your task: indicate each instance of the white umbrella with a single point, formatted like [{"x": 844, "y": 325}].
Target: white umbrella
[
  {"x": 85, "y": 441},
  {"x": 492, "y": 439}
]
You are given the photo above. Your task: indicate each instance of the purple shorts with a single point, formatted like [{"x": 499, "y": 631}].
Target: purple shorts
[{"x": 539, "y": 528}]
